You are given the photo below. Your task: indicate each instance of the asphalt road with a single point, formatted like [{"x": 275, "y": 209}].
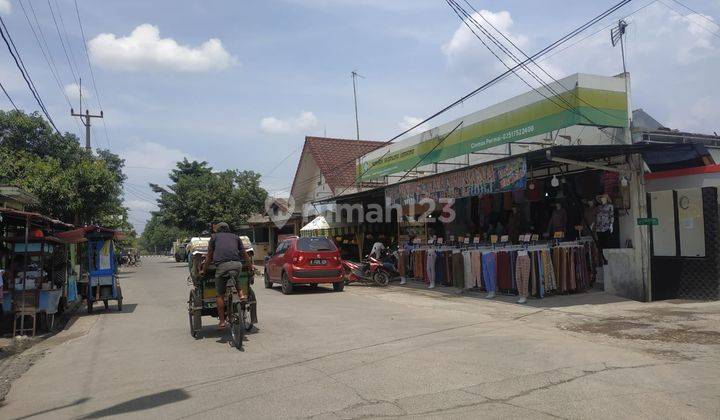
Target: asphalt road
[{"x": 370, "y": 352}]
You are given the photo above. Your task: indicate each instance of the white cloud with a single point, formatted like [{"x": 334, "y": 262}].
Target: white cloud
[
  {"x": 143, "y": 50},
  {"x": 73, "y": 92},
  {"x": 465, "y": 50},
  {"x": 5, "y": 7},
  {"x": 303, "y": 122},
  {"x": 410, "y": 122}
]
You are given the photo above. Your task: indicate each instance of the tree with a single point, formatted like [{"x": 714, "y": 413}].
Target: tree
[
  {"x": 199, "y": 196},
  {"x": 71, "y": 183},
  {"x": 160, "y": 236}
]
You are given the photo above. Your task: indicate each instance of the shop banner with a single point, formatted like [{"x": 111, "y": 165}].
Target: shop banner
[
  {"x": 589, "y": 107},
  {"x": 480, "y": 180}
]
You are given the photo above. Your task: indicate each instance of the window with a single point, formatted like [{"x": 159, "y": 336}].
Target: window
[
  {"x": 315, "y": 244},
  {"x": 282, "y": 247}
]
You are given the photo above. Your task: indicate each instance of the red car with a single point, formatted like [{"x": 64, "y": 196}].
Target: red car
[{"x": 308, "y": 260}]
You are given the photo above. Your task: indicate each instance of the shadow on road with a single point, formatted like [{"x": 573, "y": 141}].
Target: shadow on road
[
  {"x": 142, "y": 403},
  {"x": 72, "y": 404},
  {"x": 306, "y": 290},
  {"x": 99, "y": 309}
]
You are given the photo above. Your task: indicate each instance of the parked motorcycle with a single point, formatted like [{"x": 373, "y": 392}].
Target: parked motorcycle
[{"x": 371, "y": 270}]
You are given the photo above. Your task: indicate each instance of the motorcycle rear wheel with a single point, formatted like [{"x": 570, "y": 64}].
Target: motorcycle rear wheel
[{"x": 381, "y": 278}]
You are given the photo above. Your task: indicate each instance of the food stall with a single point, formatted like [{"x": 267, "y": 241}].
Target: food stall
[{"x": 34, "y": 269}]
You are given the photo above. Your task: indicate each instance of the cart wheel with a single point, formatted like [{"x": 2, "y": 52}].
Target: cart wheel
[
  {"x": 89, "y": 306},
  {"x": 194, "y": 318},
  {"x": 105, "y": 302},
  {"x": 119, "y": 305}
]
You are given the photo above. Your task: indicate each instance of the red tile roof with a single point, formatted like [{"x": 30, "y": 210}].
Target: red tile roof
[{"x": 336, "y": 159}]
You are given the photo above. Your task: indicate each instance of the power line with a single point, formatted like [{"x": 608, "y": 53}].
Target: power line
[
  {"x": 459, "y": 11},
  {"x": 9, "y": 98},
  {"x": 62, "y": 43},
  {"x": 567, "y": 105},
  {"x": 67, "y": 37},
  {"x": 431, "y": 150},
  {"x": 552, "y": 46},
  {"x": 502, "y": 76},
  {"x": 613, "y": 23},
  {"x": 51, "y": 64},
  {"x": 92, "y": 73},
  {"x": 702, "y": 15},
  {"x": 708, "y": 30},
  {"x": 26, "y": 77},
  {"x": 547, "y": 86}
]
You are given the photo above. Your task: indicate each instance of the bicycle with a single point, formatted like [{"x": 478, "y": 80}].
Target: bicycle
[{"x": 238, "y": 311}]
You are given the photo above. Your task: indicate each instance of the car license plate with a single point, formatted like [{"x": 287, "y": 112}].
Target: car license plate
[{"x": 318, "y": 262}]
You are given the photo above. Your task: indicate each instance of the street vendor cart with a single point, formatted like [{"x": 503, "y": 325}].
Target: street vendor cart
[{"x": 101, "y": 283}]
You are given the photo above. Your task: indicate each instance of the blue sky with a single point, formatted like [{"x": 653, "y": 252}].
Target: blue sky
[{"x": 240, "y": 84}]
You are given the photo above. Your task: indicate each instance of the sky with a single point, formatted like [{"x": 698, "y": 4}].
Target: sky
[{"x": 240, "y": 84}]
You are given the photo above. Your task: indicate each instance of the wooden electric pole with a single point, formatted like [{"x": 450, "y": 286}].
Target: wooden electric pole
[{"x": 85, "y": 118}]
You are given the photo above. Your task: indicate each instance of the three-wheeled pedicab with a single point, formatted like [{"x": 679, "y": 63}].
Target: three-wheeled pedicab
[{"x": 241, "y": 316}]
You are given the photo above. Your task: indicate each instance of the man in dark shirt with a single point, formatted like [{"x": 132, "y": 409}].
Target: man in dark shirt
[{"x": 226, "y": 252}]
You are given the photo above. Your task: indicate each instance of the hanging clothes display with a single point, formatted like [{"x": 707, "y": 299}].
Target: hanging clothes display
[{"x": 467, "y": 268}]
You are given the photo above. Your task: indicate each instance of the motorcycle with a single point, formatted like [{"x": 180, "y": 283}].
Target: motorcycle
[{"x": 371, "y": 270}]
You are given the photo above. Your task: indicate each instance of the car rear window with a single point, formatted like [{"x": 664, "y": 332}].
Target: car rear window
[{"x": 315, "y": 244}]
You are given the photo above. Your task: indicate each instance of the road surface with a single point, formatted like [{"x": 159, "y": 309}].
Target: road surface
[{"x": 370, "y": 352}]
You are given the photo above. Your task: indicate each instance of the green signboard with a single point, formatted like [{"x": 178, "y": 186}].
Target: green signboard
[
  {"x": 648, "y": 221},
  {"x": 589, "y": 107}
]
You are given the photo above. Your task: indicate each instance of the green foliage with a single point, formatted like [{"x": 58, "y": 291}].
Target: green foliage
[
  {"x": 71, "y": 184},
  {"x": 199, "y": 196},
  {"x": 158, "y": 236}
]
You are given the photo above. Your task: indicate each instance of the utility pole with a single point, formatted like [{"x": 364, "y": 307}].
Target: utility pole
[
  {"x": 617, "y": 36},
  {"x": 355, "y": 75},
  {"x": 85, "y": 118}
]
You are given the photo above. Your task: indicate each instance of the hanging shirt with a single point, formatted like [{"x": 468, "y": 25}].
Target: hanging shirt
[
  {"x": 605, "y": 218},
  {"x": 558, "y": 221},
  {"x": 377, "y": 249}
]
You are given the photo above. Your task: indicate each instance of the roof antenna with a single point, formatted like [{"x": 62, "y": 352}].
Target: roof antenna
[{"x": 355, "y": 75}]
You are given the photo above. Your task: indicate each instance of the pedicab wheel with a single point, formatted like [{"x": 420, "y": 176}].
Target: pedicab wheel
[
  {"x": 237, "y": 326},
  {"x": 339, "y": 286},
  {"x": 194, "y": 318},
  {"x": 381, "y": 278},
  {"x": 119, "y": 305},
  {"x": 287, "y": 286},
  {"x": 105, "y": 302},
  {"x": 268, "y": 283}
]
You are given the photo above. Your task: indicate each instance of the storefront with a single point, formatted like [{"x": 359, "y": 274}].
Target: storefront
[{"x": 552, "y": 221}]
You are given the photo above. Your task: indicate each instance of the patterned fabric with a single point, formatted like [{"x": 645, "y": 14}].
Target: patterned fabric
[{"x": 605, "y": 218}]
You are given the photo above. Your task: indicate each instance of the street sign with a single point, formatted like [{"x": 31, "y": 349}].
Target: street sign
[{"x": 648, "y": 221}]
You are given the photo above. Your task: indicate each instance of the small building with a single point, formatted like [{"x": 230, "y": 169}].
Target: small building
[
  {"x": 326, "y": 168},
  {"x": 16, "y": 198}
]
